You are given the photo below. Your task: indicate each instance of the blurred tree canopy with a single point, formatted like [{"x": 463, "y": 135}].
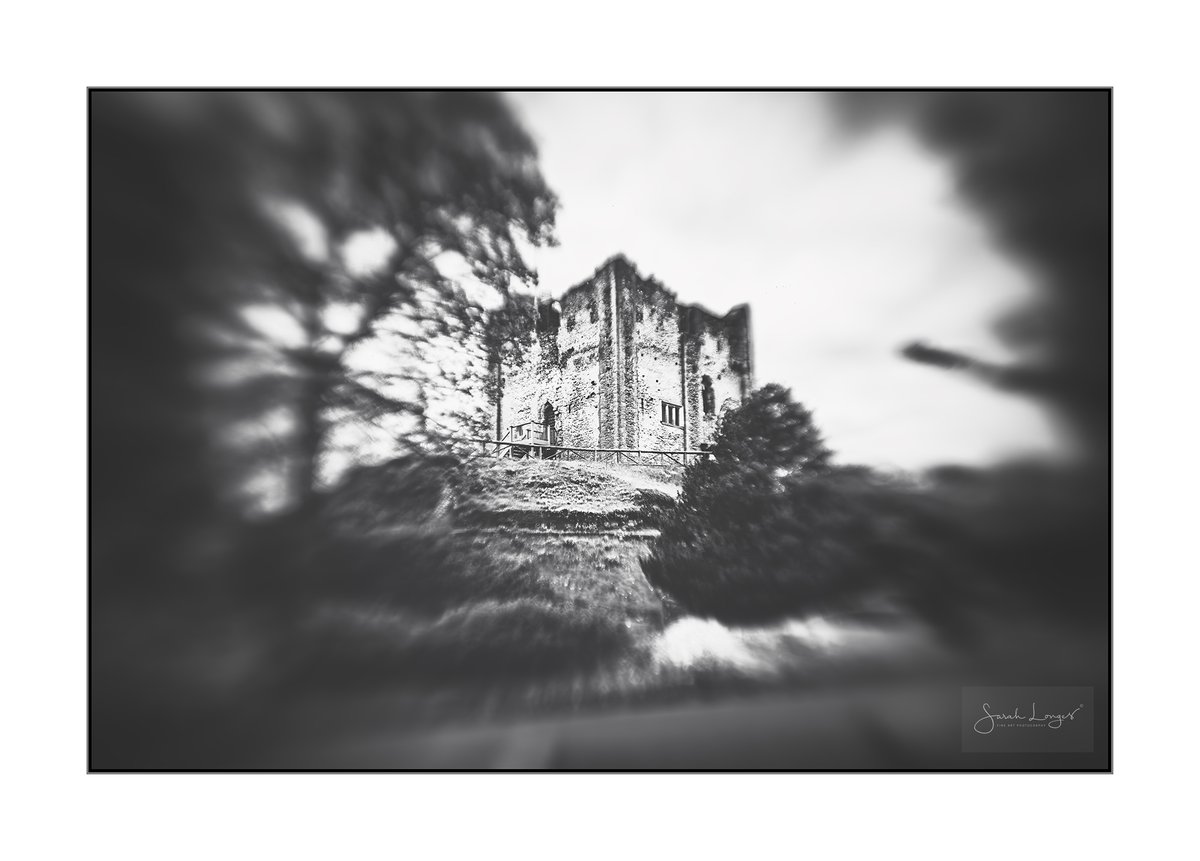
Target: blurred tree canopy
[
  {"x": 1037, "y": 168},
  {"x": 225, "y": 294},
  {"x": 244, "y": 247}
]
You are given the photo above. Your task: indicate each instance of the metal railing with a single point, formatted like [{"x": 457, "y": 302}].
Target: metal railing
[
  {"x": 529, "y": 448},
  {"x": 534, "y": 432}
]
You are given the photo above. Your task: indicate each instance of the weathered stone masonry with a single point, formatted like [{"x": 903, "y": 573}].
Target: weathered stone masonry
[{"x": 616, "y": 353}]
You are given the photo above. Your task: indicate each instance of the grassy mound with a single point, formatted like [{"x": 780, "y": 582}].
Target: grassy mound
[{"x": 565, "y": 494}]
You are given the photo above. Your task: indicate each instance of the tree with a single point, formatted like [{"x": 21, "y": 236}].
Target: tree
[
  {"x": 439, "y": 357},
  {"x": 208, "y": 206},
  {"x": 227, "y": 298},
  {"x": 773, "y": 431},
  {"x": 771, "y": 529},
  {"x": 727, "y": 546}
]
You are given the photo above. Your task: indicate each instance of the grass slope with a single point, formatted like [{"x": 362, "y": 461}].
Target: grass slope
[{"x": 563, "y": 495}]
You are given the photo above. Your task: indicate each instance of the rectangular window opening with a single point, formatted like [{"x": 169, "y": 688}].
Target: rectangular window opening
[{"x": 671, "y": 414}]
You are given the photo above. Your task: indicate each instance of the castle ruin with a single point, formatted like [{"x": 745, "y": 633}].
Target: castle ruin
[{"x": 619, "y": 363}]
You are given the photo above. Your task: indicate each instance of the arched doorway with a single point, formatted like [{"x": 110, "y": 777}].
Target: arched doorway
[{"x": 548, "y": 424}]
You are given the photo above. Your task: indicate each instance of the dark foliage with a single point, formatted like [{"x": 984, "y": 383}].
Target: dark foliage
[
  {"x": 750, "y": 543},
  {"x": 771, "y": 430},
  {"x": 727, "y": 547},
  {"x": 378, "y": 591},
  {"x": 1037, "y": 168},
  {"x": 744, "y": 547},
  {"x": 187, "y": 235},
  {"x": 485, "y": 641},
  {"x": 194, "y": 399}
]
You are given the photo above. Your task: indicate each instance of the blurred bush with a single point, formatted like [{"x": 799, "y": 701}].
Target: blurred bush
[
  {"x": 484, "y": 641},
  {"x": 373, "y": 588},
  {"x": 772, "y": 531},
  {"x": 747, "y": 547}
]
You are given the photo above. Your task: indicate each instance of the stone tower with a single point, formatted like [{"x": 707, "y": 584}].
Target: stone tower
[{"x": 618, "y": 362}]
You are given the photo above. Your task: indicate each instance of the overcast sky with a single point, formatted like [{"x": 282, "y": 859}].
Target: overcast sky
[{"x": 844, "y": 251}]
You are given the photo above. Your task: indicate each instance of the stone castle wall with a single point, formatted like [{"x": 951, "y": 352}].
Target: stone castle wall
[{"x": 613, "y": 350}]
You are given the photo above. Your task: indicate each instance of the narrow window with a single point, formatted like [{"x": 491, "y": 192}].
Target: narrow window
[
  {"x": 710, "y": 401},
  {"x": 670, "y": 414}
]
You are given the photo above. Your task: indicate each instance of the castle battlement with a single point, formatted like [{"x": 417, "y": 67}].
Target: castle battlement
[{"x": 619, "y": 362}]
